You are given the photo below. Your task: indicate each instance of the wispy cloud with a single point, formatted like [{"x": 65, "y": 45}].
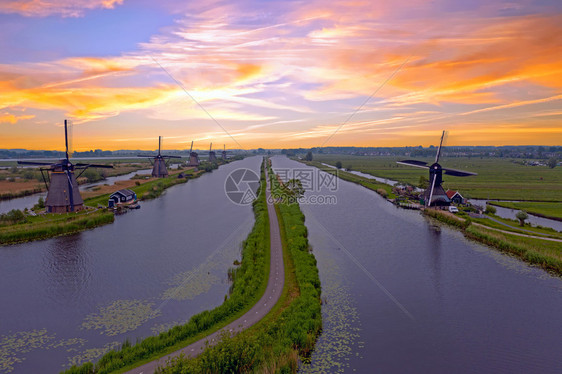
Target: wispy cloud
[
  {"x": 66, "y": 8},
  {"x": 279, "y": 71}
]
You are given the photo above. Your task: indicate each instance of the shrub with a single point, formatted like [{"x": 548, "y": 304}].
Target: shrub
[{"x": 490, "y": 209}]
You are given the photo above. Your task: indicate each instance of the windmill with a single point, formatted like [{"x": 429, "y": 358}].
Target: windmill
[
  {"x": 435, "y": 195},
  {"x": 212, "y": 155},
  {"x": 224, "y": 153},
  {"x": 159, "y": 162},
  {"x": 63, "y": 195},
  {"x": 193, "y": 157}
]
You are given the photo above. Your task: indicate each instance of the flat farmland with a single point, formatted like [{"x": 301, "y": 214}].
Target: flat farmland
[{"x": 497, "y": 178}]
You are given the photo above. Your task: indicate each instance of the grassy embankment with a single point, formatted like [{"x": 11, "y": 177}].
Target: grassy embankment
[
  {"x": 290, "y": 330},
  {"x": 249, "y": 283},
  {"x": 514, "y": 226},
  {"x": 547, "y": 254},
  {"x": 18, "y": 182},
  {"x": 544, "y": 253},
  {"x": 382, "y": 189},
  {"x": 48, "y": 226},
  {"x": 497, "y": 178},
  {"x": 541, "y": 209}
]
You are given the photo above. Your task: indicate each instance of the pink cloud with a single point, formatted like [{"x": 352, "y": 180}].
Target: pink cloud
[{"x": 66, "y": 8}]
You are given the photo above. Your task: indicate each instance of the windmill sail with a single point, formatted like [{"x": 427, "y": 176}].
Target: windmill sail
[
  {"x": 63, "y": 195},
  {"x": 435, "y": 195}
]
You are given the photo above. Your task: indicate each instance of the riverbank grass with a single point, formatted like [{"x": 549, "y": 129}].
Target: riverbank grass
[
  {"x": 50, "y": 225},
  {"x": 551, "y": 210},
  {"x": 541, "y": 252},
  {"x": 290, "y": 330},
  {"x": 249, "y": 283}
]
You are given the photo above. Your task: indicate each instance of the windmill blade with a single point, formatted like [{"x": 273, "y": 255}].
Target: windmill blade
[
  {"x": 95, "y": 166},
  {"x": 439, "y": 149},
  {"x": 35, "y": 163},
  {"x": 70, "y": 190},
  {"x": 149, "y": 156},
  {"x": 415, "y": 163},
  {"x": 159, "y": 144},
  {"x": 431, "y": 192},
  {"x": 211, "y": 147},
  {"x": 458, "y": 173},
  {"x": 191, "y": 149},
  {"x": 163, "y": 156}
]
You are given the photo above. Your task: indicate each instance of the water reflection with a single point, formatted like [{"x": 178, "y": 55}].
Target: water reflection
[
  {"x": 433, "y": 250},
  {"x": 65, "y": 268}
]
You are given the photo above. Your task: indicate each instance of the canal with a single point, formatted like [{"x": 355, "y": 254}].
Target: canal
[
  {"x": 403, "y": 294},
  {"x": 68, "y": 299}
]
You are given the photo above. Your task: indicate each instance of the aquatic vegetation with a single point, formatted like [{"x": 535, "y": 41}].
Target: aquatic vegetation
[
  {"x": 248, "y": 285},
  {"x": 120, "y": 316},
  {"x": 191, "y": 284},
  {"x": 92, "y": 353},
  {"x": 14, "y": 346},
  {"x": 289, "y": 331},
  {"x": 340, "y": 331}
]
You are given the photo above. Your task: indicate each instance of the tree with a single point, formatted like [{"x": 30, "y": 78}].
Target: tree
[
  {"x": 308, "y": 156},
  {"x": 338, "y": 164},
  {"x": 423, "y": 182},
  {"x": 490, "y": 209},
  {"x": 552, "y": 162},
  {"x": 522, "y": 216}
]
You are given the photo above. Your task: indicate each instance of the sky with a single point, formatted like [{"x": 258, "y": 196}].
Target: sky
[{"x": 279, "y": 74}]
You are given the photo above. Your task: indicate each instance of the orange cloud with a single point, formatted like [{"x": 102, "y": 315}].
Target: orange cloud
[
  {"x": 13, "y": 119},
  {"x": 66, "y": 8}
]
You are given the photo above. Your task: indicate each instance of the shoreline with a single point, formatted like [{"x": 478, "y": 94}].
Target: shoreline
[
  {"x": 522, "y": 250},
  {"x": 46, "y": 229}
]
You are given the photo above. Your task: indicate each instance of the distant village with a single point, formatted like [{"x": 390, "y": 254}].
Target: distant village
[{"x": 531, "y": 155}]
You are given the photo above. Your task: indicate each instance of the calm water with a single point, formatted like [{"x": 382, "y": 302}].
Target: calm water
[
  {"x": 29, "y": 201},
  {"x": 405, "y": 295},
  {"x": 510, "y": 213},
  {"x": 71, "y": 297}
]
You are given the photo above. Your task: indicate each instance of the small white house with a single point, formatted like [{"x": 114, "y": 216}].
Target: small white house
[{"x": 124, "y": 196}]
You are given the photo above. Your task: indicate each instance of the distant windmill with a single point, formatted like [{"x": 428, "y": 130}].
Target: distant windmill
[
  {"x": 159, "y": 162},
  {"x": 63, "y": 195},
  {"x": 224, "y": 153},
  {"x": 193, "y": 157},
  {"x": 212, "y": 155},
  {"x": 435, "y": 195}
]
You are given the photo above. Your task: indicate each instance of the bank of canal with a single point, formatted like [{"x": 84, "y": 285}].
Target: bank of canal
[
  {"x": 411, "y": 295},
  {"x": 68, "y": 299}
]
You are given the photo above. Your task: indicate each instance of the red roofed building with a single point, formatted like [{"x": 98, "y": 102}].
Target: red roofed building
[{"x": 455, "y": 196}]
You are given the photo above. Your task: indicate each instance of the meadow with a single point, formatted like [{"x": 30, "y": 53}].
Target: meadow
[
  {"x": 550, "y": 210},
  {"x": 497, "y": 179}
]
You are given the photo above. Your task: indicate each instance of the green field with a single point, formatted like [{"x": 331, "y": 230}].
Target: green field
[
  {"x": 553, "y": 210},
  {"x": 497, "y": 178}
]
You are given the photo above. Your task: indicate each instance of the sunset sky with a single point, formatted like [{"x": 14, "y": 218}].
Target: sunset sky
[{"x": 279, "y": 74}]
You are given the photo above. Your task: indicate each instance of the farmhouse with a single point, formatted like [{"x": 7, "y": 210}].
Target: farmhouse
[
  {"x": 455, "y": 197},
  {"x": 124, "y": 196}
]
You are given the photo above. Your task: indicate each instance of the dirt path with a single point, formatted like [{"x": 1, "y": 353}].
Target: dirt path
[{"x": 270, "y": 297}]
